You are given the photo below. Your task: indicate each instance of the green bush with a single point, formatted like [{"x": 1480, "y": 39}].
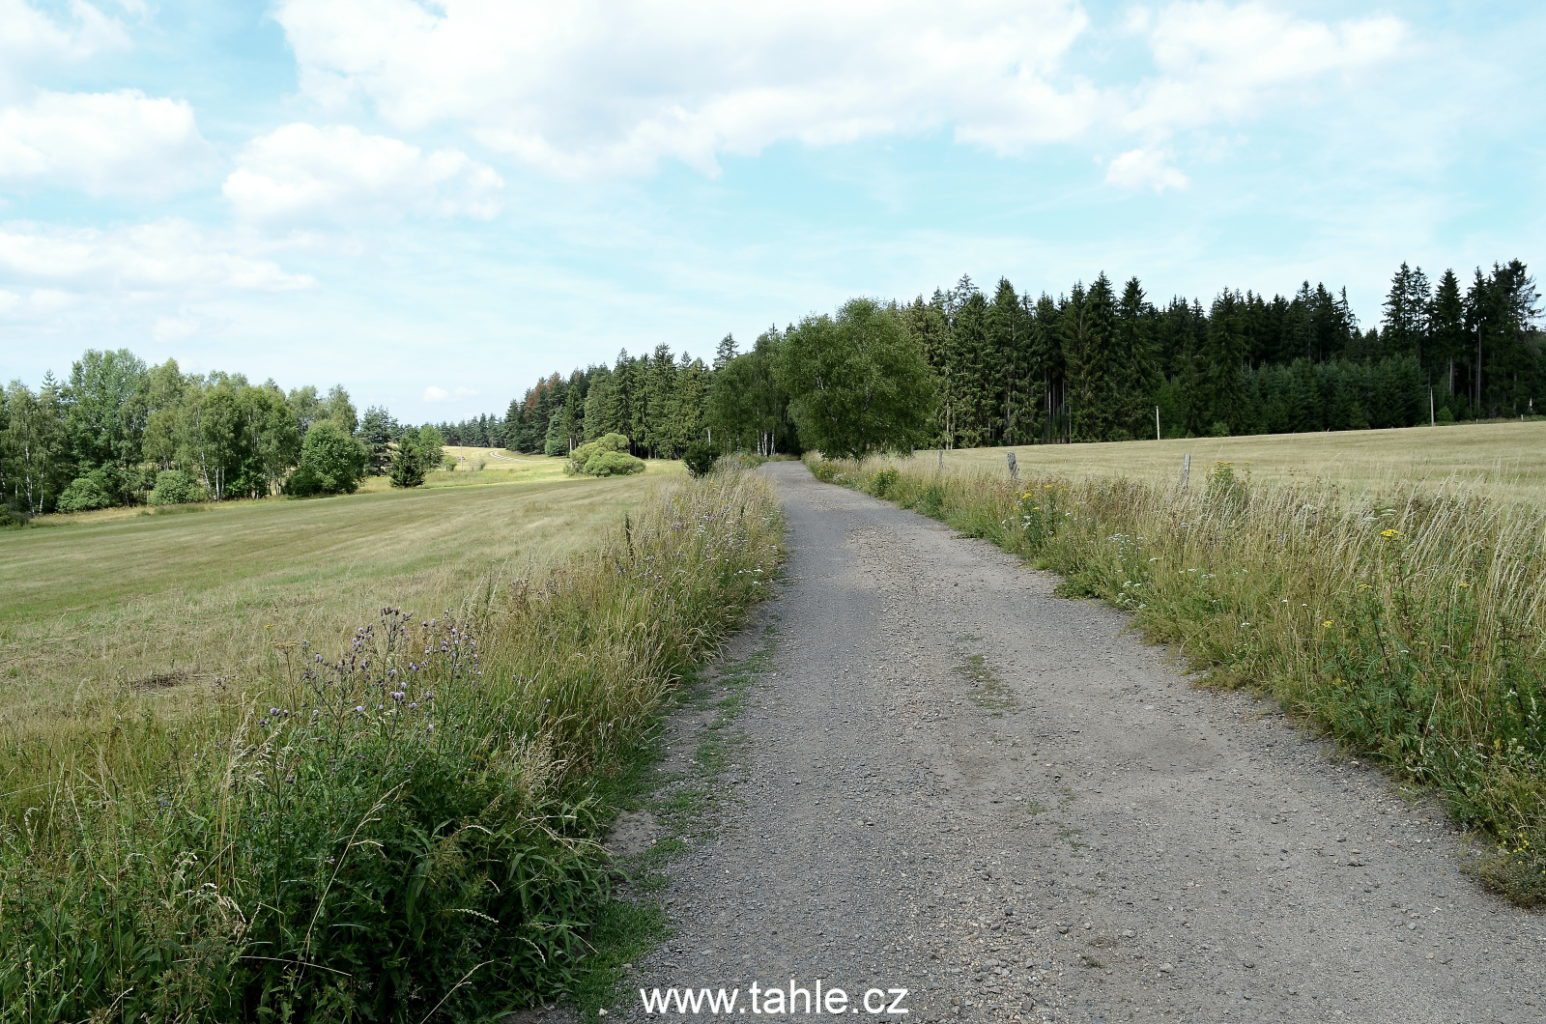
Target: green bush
[
  {"x": 332, "y": 462},
  {"x": 613, "y": 464},
  {"x": 883, "y": 483},
  {"x": 174, "y": 487},
  {"x": 699, "y": 458},
  {"x": 605, "y": 456},
  {"x": 84, "y": 494}
]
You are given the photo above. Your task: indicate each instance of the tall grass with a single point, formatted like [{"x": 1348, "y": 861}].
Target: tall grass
[
  {"x": 1412, "y": 627},
  {"x": 403, "y": 830}
]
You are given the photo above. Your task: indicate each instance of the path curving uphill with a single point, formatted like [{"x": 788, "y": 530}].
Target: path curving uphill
[{"x": 955, "y": 782}]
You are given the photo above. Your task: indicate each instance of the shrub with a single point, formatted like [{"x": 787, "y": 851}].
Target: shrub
[
  {"x": 884, "y": 482},
  {"x": 449, "y": 464},
  {"x": 84, "y": 494},
  {"x": 174, "y": 487},
  {"x": 605, "y": 456},
  {"x": 12, "y": 517},
  {"x": 613, "y": 464},
  {"x": 699, "y": 458},
  {"x": 332, "y": 462}
]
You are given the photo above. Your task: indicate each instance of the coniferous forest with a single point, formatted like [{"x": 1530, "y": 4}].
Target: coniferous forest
[
  {"x": 1094, "y": 364},
  {"x": 1100, "y": 362}
]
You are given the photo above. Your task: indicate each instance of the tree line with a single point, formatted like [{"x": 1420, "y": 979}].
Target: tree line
[
  {"x": 1094, "y": 364},
  {"x": 1097, "y": 363},
  {"x": 120, "y": 432}
]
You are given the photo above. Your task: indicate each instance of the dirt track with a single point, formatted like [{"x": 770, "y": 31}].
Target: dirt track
[{"x": 955, "y": 782}]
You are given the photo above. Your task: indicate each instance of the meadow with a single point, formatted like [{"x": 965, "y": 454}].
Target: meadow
[
  {"x": 1397, "y": 608},
  {"x": 332, "y": 759},
  {"x": 126, "y": 603},
  {"x": 1502, "y": 460}
]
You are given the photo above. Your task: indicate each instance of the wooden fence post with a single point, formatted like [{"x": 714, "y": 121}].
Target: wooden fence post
[
  {"x": 1186, "y": 470},
  {"x": 1014, "y": 470}
]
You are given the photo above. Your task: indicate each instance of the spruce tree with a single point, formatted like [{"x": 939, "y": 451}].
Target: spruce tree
[
  {"x": 1089, "y": 329},
  {"x": 1135, "y": 371}
]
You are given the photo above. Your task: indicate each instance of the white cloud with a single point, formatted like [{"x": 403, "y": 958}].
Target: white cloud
[
  {"x": 29, "y": 35},
  {"x": 1218, "y": 61},
  {"x": 622, "y": 85},
  {"x": 1145, "y": 169},
  {"x": 115, "y": 143},
  {"x": 302, "y": 171},
  {"x": 163, "y": 257},
  {"x": 173, "y": 328},
  {"x": 598, "y": 85},
  {"x": 434, "y": 393}
]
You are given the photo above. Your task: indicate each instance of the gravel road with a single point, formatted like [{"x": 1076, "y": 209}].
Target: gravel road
[{"x": 955, "y": 782}]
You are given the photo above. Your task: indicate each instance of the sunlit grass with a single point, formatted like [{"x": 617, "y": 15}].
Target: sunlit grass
[
  {"x": 399, "y": 820},
  {"x": 1508, "y": 460},
  {"x": 161, "y": 607}
]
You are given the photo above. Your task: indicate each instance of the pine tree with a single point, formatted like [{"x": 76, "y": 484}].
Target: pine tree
[{"x": 724, "y": 352}]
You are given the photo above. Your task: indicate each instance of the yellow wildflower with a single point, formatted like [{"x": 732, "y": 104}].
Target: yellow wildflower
[
  {"x": 1327, "y": 624},
  {"x": 1390, "y": 534}
]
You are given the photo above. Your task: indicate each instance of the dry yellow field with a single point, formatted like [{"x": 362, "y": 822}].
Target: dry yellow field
[{"x": 1507, "y": 460}]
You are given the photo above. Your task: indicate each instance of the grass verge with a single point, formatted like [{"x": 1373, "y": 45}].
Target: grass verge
[
  {"x": 404, "y": 830},
  {"x": 678, "y": 795},
  {"x": 1410, "y": 626}
]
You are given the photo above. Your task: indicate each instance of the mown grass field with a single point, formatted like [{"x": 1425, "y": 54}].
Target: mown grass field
[
  {"x": 1505, "y": 460},
  {"x": 159, "y": 608},
  {"x": 347, "y": 758}
]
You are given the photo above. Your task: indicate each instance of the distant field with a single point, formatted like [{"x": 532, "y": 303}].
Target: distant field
[
  {"x": 478, "y": 466},
  {"x": 1506, "y": 459},
  {"x": 127, "y": 605}
]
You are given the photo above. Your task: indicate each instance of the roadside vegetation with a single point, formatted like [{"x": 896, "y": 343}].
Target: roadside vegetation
[
  {"x": 400, "y": 825},
  {"x": 1410, "y": 624}
]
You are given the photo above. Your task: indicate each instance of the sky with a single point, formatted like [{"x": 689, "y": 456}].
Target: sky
[{"x": 434, "y": 202}]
